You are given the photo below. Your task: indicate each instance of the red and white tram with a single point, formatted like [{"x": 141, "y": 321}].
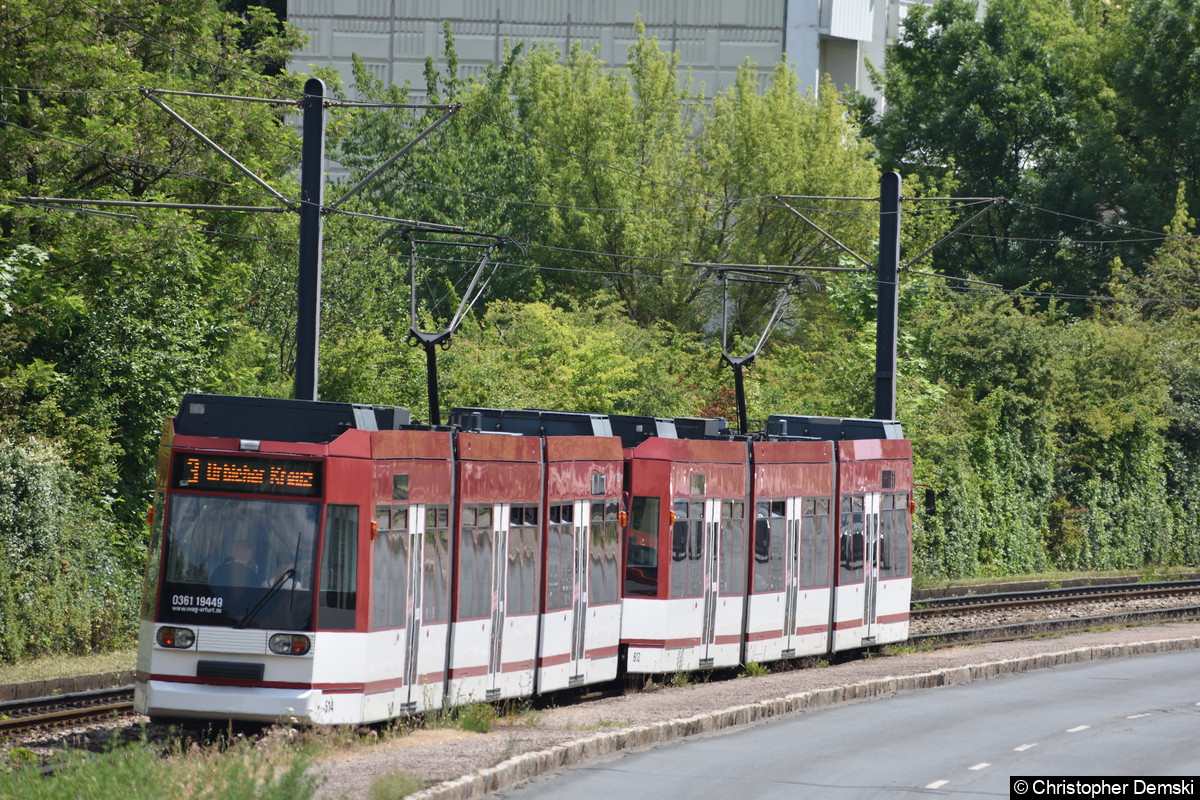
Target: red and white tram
[{"x": 332, "y": 563}]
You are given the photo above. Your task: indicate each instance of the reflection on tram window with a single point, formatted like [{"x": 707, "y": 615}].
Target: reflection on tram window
[{"x": 641, "y": 552}]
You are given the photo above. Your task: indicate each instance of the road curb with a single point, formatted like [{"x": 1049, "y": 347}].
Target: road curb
[{"x": 518, "y": 769}]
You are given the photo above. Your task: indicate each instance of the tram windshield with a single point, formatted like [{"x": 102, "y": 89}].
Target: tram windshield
[{"x": 239, "y": 562}]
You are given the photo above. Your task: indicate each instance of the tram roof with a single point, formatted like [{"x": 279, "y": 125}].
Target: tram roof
[
  {"x": 266, "y": 418},
  {"x": 833, "y": 428},
  {"x": 530, "y": 422}
]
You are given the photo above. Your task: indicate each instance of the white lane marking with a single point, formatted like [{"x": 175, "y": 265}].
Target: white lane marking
[
  {"x": 1078, "y": 728},
  {"x": 1137, "y": 716},
  {"x": 978, "y": 767},
  {"x": 1025, "y": 747},
  {"x": 937, "y": 784}
]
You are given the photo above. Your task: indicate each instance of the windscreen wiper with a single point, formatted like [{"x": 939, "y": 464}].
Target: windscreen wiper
[{"x": 290, "y": 572}]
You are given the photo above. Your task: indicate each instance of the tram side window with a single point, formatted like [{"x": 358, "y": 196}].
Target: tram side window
[
  {"x": 339, "y": 569},
  {"x": 475, "y": 563},
  {"x": 641, "y": 552},
  {"x": 436, "y": 591},
  {"x": 560, "y": 552},
  {"x": 810, "y": 568},
  {"x": 770, "y": 544},
  {"x": 762, "y": 544},
  {"x": 814, "y": 543},
  {"x": 899, "y": 562},
  {"x": 679, "y": 537},
  {"x": 602, "y": 559},
  {"x": 687, "y": 548},
  {"x": 695, "y": 574},
  {"x": 887, "y": 535},
  {"x": 850, "y": 547},
  {"x": 389, "y": 567},
  {"x": 595, "y": 565},
  {"x": 522, "y": 559},
  {"x": 612, "y": 551},
  {"x": 733, "y": 547},
  {"x": 154, "y": 561}
]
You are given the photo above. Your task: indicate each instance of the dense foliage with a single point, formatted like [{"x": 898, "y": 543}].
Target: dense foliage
[{"x": 1055, "y": 417}]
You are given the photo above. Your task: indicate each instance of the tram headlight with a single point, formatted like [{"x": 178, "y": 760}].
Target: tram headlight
[
  {"x": 178, "y": 638},
  {"x": 289, "y": 644}
]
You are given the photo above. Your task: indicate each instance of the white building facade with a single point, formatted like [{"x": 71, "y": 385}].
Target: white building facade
[{"x": 713, "y": 37}]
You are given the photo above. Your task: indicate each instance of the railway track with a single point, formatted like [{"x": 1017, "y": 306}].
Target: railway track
[
  {"x": 1002, "y": 616},
  {"x": 44, "y": 712},
  {"x": 1120, "y": 591}
]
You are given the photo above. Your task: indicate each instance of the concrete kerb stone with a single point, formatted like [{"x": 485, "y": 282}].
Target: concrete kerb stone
[{"x": 524, "y": 767}]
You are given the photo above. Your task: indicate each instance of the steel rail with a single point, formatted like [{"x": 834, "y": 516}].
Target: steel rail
[
  {"x": 949, "y": 605},
  {"x": 1036, "y": 628},
  {"x": 17, "y": 715}
]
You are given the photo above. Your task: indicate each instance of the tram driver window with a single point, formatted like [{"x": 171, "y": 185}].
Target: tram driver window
[{"x": 641, "y": 552}]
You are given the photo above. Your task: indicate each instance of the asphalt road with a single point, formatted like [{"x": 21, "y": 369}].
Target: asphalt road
[{"x": 1124, "y": 717}]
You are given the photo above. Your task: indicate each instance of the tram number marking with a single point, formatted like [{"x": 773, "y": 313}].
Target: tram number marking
[
  {"x": 327, "y": 706},
  {"x": 635, "y": 656},
  {"x": 201, "y": 604}
]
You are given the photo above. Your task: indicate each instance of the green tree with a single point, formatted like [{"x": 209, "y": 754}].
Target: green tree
[
  {"x": 1158, "y": 100},
  {"x": 617, "y": 175},
  {"x": 762, "y": 143},
  {"x": 122, "y": 310},
  {"x": 589, "y": 358},
  {"x": 1009, "y": 107},
  {"x": 1169, "y": 306}
]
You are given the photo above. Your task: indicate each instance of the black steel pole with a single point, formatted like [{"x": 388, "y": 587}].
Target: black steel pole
[
  {"x": 431, "y": 381},
  {"x": 888, "y": 293},
  {"x": 739, "y": 387},
  {"x": 308, "y": 282}
]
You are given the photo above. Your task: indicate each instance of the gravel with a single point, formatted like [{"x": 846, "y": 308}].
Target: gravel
[{"x": 1075, "y": 608}]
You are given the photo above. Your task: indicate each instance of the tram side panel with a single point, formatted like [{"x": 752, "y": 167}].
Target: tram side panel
[
  {"x": 581, "y": 621},
  {"x": 790, "y": 598},
  {"x": 873, "y": 573},
  {"x": 686, "y": 551},
  {"x": 493, "y": 646},
  {"x": 409, "y": 595},
  {"x": 340, "y": 647}
]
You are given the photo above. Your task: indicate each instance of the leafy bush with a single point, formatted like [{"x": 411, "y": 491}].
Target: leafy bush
[{"x": 62, "y": 589}]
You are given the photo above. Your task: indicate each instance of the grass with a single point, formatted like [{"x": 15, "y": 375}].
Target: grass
[
  {"x": 241, "y": 771},
  {"x": 681, "y": 678},
  {"x": 478, "y": 717},
  {"x": 906, "y": 648},
  {"x": 49, "y": 667},
  {"x": 754, "y": 670},
  {"x": 394, "y": 786},
  {"x": 1133, "y": 576},
  {"x": 603, "y": 724}
]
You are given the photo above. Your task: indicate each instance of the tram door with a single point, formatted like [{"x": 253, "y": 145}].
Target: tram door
[
  {"x": 499, "y": 595},
  {"x": 579, "y": 590},
  {"x": 791, "y": 574},
  {"x": 412, "y": 608},
  {"x": 870, "y": 563},
  {"x": 710, "y": 576}
]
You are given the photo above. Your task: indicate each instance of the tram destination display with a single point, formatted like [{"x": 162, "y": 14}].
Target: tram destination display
[{"x": 251, "y": 474}]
